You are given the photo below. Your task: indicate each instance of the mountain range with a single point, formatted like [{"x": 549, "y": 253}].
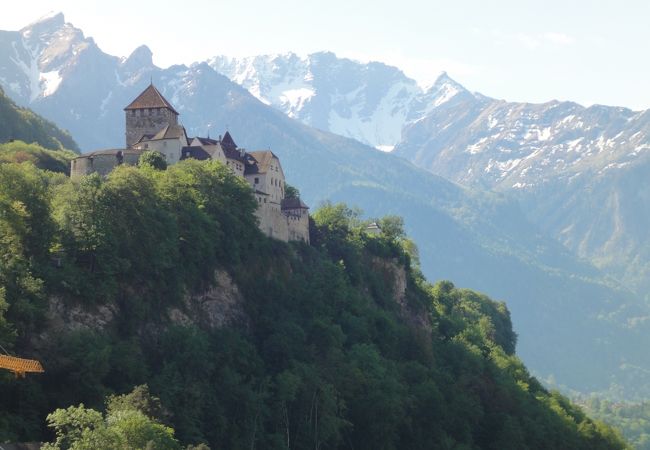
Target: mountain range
[
  {"x": 563, "y": 162},
  {"x": 487, "y": 240}
]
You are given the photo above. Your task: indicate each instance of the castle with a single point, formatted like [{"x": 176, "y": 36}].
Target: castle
[{"x": 152, "y": 124}]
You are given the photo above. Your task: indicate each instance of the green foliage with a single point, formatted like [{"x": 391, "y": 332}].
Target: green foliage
[
  {"x": 153, "y": 159},
  {"x": 340, "y": 344},
  {"x": 291, "y": 191},
  {"x": 18, "y": 123},
  {"x": 392, "y": 227},
  {"x": 632, "y": 419},
  {"x": 26, "y": 229},
  {"x": 43, "y": 158},
  {"x": 127, "y": 425},
  {"x": 140, "y": 399}
]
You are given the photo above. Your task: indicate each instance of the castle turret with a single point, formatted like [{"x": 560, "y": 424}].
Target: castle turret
[{"x": 148, "y": 114}]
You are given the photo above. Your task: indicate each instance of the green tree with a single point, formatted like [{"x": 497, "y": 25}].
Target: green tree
[
  {"x": 392, "y": 227},
  {"x": 126, "y": 425},
  {"x": 291, "y": 191},
  {"x": 154, "y": 159}
]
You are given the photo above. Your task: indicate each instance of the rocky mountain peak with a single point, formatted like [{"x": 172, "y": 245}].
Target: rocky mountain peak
[
  {"x": 48, "y": 23},
  {"x": 140, "y": 57}
]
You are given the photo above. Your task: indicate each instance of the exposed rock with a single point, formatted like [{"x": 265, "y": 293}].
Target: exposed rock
[
  {"x": 395, "y": 275},
  {"x": 219, "y": 306},
  {"x": 64, "y": 317}
]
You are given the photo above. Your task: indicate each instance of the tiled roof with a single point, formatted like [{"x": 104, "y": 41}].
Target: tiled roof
[
  {"x": 259, "y": 162},
  {"x": 145, "y": 137},
  {"x": 150, "y": 98},
  {"x": 228, "y": 142},
  {"x": 170, "y": 132},
  {"x": 206, "y": 141},
  {"x": 293, "y": 203},
  {"x": 233, "y": 153},
  {"x": 195, "y": 152}
]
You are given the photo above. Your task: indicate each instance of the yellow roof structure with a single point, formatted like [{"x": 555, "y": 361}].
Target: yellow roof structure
[{"x": 20, "y": 366}]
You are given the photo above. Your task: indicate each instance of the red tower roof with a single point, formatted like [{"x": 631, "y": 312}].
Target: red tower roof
[{"x": 150, "y": 98}]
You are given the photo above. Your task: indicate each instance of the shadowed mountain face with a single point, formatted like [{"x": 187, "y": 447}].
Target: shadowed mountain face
[{"x": 478, "y": 240}]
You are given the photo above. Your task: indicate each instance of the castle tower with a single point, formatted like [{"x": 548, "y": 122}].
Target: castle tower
[{"x": 148, "y": 114}]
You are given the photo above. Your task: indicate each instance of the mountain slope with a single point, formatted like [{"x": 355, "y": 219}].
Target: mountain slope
[
  {"x": 562, "y": 161},
  {"x": 18, "y": 123},
  {"x": 479, "y": 240}
]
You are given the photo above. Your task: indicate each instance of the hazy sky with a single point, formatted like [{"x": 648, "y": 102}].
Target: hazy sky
[{"x": 587, "y": 51}]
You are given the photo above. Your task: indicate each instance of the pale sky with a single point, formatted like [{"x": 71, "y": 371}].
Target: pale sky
[{"x": 519, "y": 50}]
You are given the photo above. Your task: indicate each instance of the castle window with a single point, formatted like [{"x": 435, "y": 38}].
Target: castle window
[{"x": 257, "y": 180}]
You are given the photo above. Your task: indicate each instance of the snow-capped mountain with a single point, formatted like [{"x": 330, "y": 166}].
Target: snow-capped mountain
[
  {"x": 368, "y": 102},
  {"x": 577, "y": 171},
  {"x": 501, "y": 145},
  {"x": 41, "y": 53},
  {"x": 563, "y": 161}
]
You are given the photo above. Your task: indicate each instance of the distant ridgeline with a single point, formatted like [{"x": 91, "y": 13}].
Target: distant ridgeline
[{"x": 152, "y": 125}]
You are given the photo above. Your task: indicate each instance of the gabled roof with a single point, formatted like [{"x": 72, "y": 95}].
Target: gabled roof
[
  {"x": 206, "y": 141},
  {"x": 293, "y": 203},
  {"x": 259, "y": 162},
  {"x": 195, "y": 152},
  {"x": 145, "y": 137},
  {"x": 227, "y": 142},
  {"x": 232, "y": 153},
  {"x": 150, "y": 98},
  {"x": 170, "y": 132}
]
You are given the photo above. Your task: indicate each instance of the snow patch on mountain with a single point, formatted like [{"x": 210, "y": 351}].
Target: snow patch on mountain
[
  {"x": 50, "y": 82},
  {"x": 369, "y": 102}
]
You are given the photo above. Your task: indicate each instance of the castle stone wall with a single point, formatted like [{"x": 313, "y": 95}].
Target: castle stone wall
[
  {"x": 103, "y": 164},
  {"x": 298, "y": 224},
  {"x": 272, "y": 222},
  {"x": 147, "y": 121}
]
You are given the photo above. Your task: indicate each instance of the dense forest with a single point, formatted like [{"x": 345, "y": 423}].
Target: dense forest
[
  {"x": 18, "y": 123},
  {"x": 337, "y": 344}
]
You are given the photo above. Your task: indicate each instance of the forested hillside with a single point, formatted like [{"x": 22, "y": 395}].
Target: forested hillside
[
  {"x": 18, "y": 123},
  {"x": 162, "y": 277}
]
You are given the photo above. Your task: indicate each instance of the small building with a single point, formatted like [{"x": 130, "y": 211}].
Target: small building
[{"x": 373, "y": 229}]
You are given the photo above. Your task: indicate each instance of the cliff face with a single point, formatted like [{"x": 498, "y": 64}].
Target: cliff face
[
  {"x": 396, "y": 278},
  {"x": 220, "y": 305}
]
